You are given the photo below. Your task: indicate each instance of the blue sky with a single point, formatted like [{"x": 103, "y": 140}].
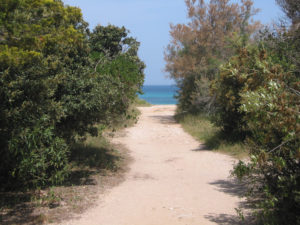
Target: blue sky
[{"x": 148, "y": 21}]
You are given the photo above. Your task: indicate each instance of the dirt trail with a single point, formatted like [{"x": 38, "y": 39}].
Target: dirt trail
[{"x": 172, "y": 181}]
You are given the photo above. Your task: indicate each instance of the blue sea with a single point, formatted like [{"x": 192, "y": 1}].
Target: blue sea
[{"x": 159, "y": 94}]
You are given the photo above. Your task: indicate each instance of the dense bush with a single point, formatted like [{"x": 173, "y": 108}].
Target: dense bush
[
  {"x": 246, "y": 71},
  {"x": 117, "y": 65},
  {"x": 272, "y": 115},
  {"x": 258, "y": 95},
  {"x": 40, "y": 52},
  {"x": 39, "y": 157},
  {"x": 51, "y": 90}
]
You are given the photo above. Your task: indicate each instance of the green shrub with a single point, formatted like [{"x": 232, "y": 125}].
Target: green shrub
[
  {"x": 54, "y": 89},
  {"x": 258, "y": 97},
  {"x": 37, "y": 157},
  {"x": 272, "y": 114},
  {"x": 246, "y": 71},
  {"x": 118, "y": 69}
]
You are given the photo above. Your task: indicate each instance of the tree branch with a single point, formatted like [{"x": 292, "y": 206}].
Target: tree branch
[{"x": 279, "y": 146}]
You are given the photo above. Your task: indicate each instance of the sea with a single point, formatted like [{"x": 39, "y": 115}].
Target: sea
[{"x": 159, "y": 94}]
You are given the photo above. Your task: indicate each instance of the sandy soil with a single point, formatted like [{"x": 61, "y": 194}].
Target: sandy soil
[{"x": 172, "y": 181}]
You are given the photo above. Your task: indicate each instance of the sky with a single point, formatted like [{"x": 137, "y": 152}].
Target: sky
[{"x": 149, "y": 22}]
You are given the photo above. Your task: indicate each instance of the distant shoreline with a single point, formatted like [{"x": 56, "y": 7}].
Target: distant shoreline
[
  {"x": 159, "y": 94},
  {"x": 163, "y": 105},
  {"x": 159, "y": 85}
]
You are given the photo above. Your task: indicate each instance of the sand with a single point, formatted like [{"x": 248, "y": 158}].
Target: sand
[{"x": 173, "y": 179}]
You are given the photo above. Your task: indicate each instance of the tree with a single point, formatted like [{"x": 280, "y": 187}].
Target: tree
[
  {"x": 54, "y": 90},
  {"x": 39, "y": 42},
  {"x": 292, "y": 10},
  {"x": 199, "y": 47},
  {"x": 115, "y": 59}
]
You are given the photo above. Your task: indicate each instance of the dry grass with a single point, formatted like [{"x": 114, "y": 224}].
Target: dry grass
[{"x": 200, "y": 127}]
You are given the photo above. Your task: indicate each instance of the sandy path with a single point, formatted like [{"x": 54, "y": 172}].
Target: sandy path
[{"x": 172, "y": 180}]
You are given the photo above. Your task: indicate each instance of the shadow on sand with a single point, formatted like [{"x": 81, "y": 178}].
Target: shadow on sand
[
  {"x": 16, "y": 210},
  {"x": 22, "y": 207},
  {"x": 202, "y": 147},
  {"x": 234, "y": 188},
  {"x": 164, "y": 119}
]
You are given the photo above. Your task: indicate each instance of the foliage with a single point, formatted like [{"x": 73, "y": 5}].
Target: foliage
[
  {"x": 199, "y": 47},
  {"x": 52, "y": 89},
  {"x": 291, "y": 8},
  {"x": 270, "y": 111},
  {"x": 246, "y": 71},
  {"x": 258, "y": 92},
  {"x": 273, "y": 118},
  {"x": 39, "y": 157},
  {"x": 116, "y": 62},
  {"x": 42, "y": 50},
  {"x": 193, "y": 94},
  {"x": 257, "y": 95}
]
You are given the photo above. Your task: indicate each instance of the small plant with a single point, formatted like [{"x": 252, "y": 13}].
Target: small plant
[
  {"x": 240, "y": 214},
  {"x": 141, "y": 102}
]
